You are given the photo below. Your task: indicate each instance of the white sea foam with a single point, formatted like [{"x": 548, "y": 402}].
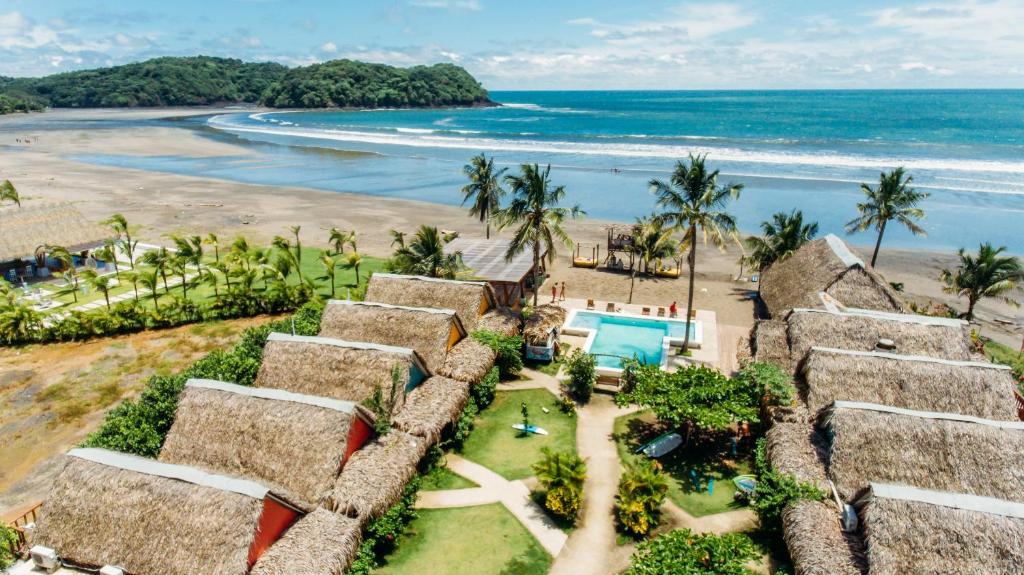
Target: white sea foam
[
  {"x": 413, "y": 130},
  {"x": 421, "y": 139}
]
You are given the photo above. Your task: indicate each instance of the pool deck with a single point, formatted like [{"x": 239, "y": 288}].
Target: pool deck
[{"x": 708, "y": 353}]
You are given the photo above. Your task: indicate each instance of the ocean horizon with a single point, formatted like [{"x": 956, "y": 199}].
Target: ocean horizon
[{"x": 792, "y": 149}]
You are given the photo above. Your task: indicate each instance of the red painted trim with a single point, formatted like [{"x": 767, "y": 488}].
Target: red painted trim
[
  {"x": 275, "y": 520},
  {"x": 358, "y": 434}
]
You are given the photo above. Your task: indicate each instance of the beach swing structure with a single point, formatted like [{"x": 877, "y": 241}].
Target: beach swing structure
[
  {"x": 580, "y": 260},
  {"x": 663, "y": 270},
  {"x": 620, "y": 240}
]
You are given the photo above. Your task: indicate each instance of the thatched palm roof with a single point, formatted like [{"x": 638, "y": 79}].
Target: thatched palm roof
[
  {"x": 795, "y": 447},
  {"x": 468, "y": 361},
  {"x": 292, "y": 442},
  {"x": 824, "y": 266},
  {"x": 769, "y": 342},
  {"x": 541, "y": 322},
  {"x": 501, "y": 320},
  {"x": 431, "y": 332},
  {"x": 860, "y": 330},
  {"x": 941, "y": 451},
  {"x": 470, "y": 299},
  {"x": 432, "y": 406},
  {"x": 816, "y": 540},
  {"x": 321, "y": 543},
  {"x": 911, "y": 530},
  {"x": 23, "y": 230},
  {"x": 912, "y": 382},
  {"x": 375, "y": 477},
  {"x": 335, "y": 368},
  {"x": 111, "y": 508}
]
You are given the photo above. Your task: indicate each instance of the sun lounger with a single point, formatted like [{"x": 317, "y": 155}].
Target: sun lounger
[
  {"x": 590, "y": 304},
  {"x": 646, "y": 311},
  {"x": 610, "y": 307},
  {"x": 693, "y": 314},
  {"x": 661, "y": 312}
]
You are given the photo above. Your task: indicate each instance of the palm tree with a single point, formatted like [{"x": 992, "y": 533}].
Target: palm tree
[
  {"x": 67, "y": 263},
  {"x": 151, "y": 281},
  {"x": 330, "y": 270},
  {"x": 562, "y": 475},
  {"x": 120, "y": 226},
  {"x": 298, "y": 250},
  {"x": 352, "y": 262},
  {"x": 211, "y": 240},
  {"x": 132, "y": 276},
  {"x": 534, "y": 208},
  {"x": 694, "y": 201},
  {"x": 9, "y": 194},
  {"x": 338, "y": 239},
  {"x": 190, "y": 253},
  {"x": 783, "y": 235},
  {"x": 425, "y": 255},
  {"x": 160, "y": 261},
  {"x": 108, "y": 253},
  {"x": 892, "y": 199},
  {"x": 986, "y": 275},
  {"x": 651, "y": 242},
  {"x": 98, "y": 282},
  {"x": 19, "y": 322},
  {"x": 484, "y": 189}
]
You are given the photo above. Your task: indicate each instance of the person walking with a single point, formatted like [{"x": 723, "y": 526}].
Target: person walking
[
  {"x": 561, "y": 295},
  {"x": 554, "y": 291}
]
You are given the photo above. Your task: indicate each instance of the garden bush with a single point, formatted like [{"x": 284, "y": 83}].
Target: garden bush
[
  {"x": 509, "y": 349},
  {"x": 483, "y": 392},
  {"x": 382, "y": 536},
  {"x": 775, "y": 491},
  {"x": 7, "y": 539},
  {"x": 582, "y": 370},
  {"x": 683, "y": 552},
  {"x": 775, "y": 382},
  {"x": 562, "y": 475},
  {"x": 642, "y": 489}
]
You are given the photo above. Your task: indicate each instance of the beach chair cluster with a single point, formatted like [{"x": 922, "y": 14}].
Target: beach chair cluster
[{"x": 611, "y": 307}]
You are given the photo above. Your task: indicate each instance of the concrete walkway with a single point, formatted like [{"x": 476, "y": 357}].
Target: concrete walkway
[{"x": 514, "y": 495}]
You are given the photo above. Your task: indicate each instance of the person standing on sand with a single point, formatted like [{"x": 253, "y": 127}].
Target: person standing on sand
[
  {"x": 561, "y": 295},
  {"x": 554, "y": 291},
  {"x": 673, "y": 311}
]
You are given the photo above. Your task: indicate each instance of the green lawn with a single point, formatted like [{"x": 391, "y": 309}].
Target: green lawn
[
  {"x": 482, "y": 540},
  {"x": 710, "y": 458},
  {"x": 441, "y": 478},
  {"x": 495, "y": 445},
  {"x": 1006, "y": 355}
]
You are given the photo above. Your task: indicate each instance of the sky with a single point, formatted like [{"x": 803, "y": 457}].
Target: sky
[{"x": 551, "y": 44}]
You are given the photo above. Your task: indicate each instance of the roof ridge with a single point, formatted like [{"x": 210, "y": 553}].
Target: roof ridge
[
  {"x": 273, "y": 394},
  {"x": 949, "y": 499},
  {"x": 901, "y": 317},
  {"x": 915, "y": 358},
  {"x": 429, "y": 279},
  {"x": 435, "y": 310},
  {"x": 939, "y": 415},
  {"x": 843, "y": 252}
]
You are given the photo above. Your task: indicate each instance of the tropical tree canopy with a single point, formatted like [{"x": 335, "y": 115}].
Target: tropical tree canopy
[
  {"x": 781, "y": 236},
  {"x": 424, "y": 254},
  {"x": 985, "y": 275},
  {"x": 891, "y": 200}
]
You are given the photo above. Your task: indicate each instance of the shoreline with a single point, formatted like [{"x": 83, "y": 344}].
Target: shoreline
[{"x": 164, "y": 203}]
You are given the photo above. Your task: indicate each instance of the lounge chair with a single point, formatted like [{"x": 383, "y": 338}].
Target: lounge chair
[
  {"x": 590, "y": 304},
  {"x": 610, "y": 307},
  {"x": 661, "y": 312},
  {"x": 647, "y": 311},
  {"x": 693, "y": 314}
]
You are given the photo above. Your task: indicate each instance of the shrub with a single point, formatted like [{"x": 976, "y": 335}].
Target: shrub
[
  {"x": 562, "y": 475},
  {"x": 8, "y": 538},
  {"x": 509, "y": 349},
  {"x": 381, "y": 536},
  {"x": 775, "y": 383},
  {"x": 683, "y": 552},
  {"x": 464, "y": 426},
  {"x": 776, "y": 490},
  {"x": 582, "y": 370},
  {"x": 642, "y": 490},
  {"x": 483, "y": 392}
]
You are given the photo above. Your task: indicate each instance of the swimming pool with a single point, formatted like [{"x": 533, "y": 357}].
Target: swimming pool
[{"x": 614, "y": 336}]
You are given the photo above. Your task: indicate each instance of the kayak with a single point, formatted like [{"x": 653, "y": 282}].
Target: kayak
[
  {"x": 530, "y": 429},
  {"x": 661, "y": 445}
]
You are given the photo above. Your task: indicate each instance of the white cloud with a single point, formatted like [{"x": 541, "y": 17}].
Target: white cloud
[
  {"x": 473, "y": 5},
  {"x": 684, "y": 22},
  {"x": 329, "y": 48}
]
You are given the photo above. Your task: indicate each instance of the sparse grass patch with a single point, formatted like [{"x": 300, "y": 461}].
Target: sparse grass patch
[{"x": 440, "y": 478}]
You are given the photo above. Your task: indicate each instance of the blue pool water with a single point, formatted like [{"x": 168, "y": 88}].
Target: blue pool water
[{"x": 619, "y": 336}]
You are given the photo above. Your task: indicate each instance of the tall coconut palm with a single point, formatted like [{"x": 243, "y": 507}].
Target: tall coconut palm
[
  {"x": 9, "y": 194},
  {"x": 484, "y": 189},
  {"x": 330, "y": 269},
  {"x": 133, "y": 277},
  {"x": 339, "y": 238},
  {"x": 651, "y": 241},
  {"x": 891, "y": 200},
  {"x": 986, "y": 275},
  {"x": 425, "y": 255},
  {"x": 783, "y": 235},
  {"x": 352, "y": 262},
  {"x": 189, "y": 254},
  {"x": 119, "y": 224},
  {"x": 108, "y": 253},
  {"x": 693, "y": 202},
  {"x": 536, "y": 211},
  {"x": 160, "y": 260},
  {"x": 151, "y": 281},
  {"x": 212, "y": 240},
  {"x": 67, "y": 264},
  {"x": 98, "y": 282}
]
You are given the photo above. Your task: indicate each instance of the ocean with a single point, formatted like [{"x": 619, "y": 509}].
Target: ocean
[{"x": 809, "y": 150}]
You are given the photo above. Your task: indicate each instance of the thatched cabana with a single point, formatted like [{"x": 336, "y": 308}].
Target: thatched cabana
[
  {"x": 910, "y": 530},
  {"x": 468, "y": 361},
  {"x": 431, "y": 332},
  {"x": 816, "y": 540},
  {"x": 912, "y": 382},
  {"x": 861, "y": 330},
  {"x": 432, "y": 406},
  {"x": 824, "y": 266},
  {"x": 294, "y": 443},
  {"x": 336, "y": 368},
  {"x": 795, "y": 447},
  {"x": 769, "y": 342},
  {"x": 539, "y": 325},
  {"x": 941, "y": 451},
  {"x": 25, "y": 229},
  {"x": 501, "y": 320},
  {"x": 470, "y": 299},
  {"x": 376, "y": 476},
  {"x": 321, "y": 543},
  {"x": 109, "y": 508}
]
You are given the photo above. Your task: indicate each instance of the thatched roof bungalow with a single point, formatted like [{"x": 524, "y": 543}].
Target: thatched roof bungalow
[
  {"x": 433, "y": 406},
  {"x": 145, "y": 516},
  {"x": 501, "y": 320},
  {"x": 321, "y": 543},
  {"x": 539, "y": 325},
  {"x": 25, "y": 229},
  {"x": 923, "y": 383},
  {"x": 336, "y": 368},
  {"x": 376, "y": 476},
  {"x": 863, "y": 330},
  {"x": 430, "y": 331},
  {"x": 816, "y": 540},
  {"x": 941, "y": 451},
  {"x": 769, "y": 342},
  {"x": 909, "y": 530},
  {"x": 797, "y": 448},
  {"x": 469, "y": 361},
  {"x": 469, "y": 299},
  {"x": 825, "y": 266},
  {"x": 297, "y": 444}
]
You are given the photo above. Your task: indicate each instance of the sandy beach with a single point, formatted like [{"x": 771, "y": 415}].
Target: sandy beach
[{"x": 162, "y": 204}]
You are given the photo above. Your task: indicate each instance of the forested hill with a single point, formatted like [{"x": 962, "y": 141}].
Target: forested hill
[{"x": 203, "y": 80}]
